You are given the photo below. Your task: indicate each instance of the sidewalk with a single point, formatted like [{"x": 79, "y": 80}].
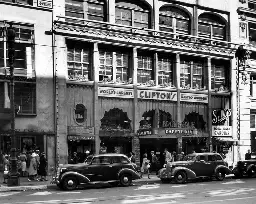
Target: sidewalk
[{"x": 42, "y": 185}]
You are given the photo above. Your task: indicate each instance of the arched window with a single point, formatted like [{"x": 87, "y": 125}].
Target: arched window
[
  {"x": 172, "y": 19},
  {"x": 211, "y": 26},
  {"x": 132, "y": 13},
  {"x": 92, "y": 10}
]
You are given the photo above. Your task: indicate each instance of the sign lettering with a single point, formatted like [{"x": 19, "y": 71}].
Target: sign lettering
[
  {"x": 190, "y": 97},
  {"x": 219, "y": 117},
  {"x": 115, "y": 92},
  {"x": 179, "y": 131},
  {"x": 44, "y": 3},
  {"x": 157, "y": 95},
  {"x": 222, "y": 131}
]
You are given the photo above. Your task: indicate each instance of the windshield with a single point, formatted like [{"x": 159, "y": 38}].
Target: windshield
[
  {"x": 190, "y": 158},
  {"x": 88, "y": 160}
]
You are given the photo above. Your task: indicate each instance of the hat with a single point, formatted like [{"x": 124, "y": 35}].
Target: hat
[{"x": 34, "y": 154}]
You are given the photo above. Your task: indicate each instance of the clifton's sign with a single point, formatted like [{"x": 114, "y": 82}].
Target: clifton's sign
[{"x": 157, "y": 95}]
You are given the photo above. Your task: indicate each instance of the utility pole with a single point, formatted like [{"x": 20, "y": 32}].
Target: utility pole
[{"x": 13, "y": 173}]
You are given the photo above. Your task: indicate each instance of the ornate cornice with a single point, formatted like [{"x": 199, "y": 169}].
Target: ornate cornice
[{"x": 146, "y": 40}]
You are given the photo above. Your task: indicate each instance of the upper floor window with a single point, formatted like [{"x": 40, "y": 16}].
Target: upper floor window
[
  {"x": 252, "y": 33},
  {"x": 132, "y": 14},
  {"x": 145, "y": 69},
  {"x": 192, "y": 74},
  {"x": 29, "y": 2},
  {"x": 211, "y": 26},
  {"x": 86, "y": 9},
  {"x": 165, "y": 71},
  {"x": 78, "y": 61},
  {"x": 219, "y": 76},
  {"x": 252, "y": 4},
  {"x": 172, "y": 19},
  {"x": 114, "y": 66},
  {"x": 25, "y": 98},
  {"x": 24, "y": 50}
]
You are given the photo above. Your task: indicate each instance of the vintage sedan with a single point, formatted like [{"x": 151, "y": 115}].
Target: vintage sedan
[
  {"x": 245, "y": 168},
  {"x": 104, "y": 168},
  {"x": 198, "y": 165}
]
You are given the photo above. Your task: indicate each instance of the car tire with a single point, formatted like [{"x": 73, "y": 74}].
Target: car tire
[
  {"x": 69, "y": 183},
  {"x": 252, "y": 172},
  {"x": 237, "y": 173},
  {"x": 180, "y": 177},
  {"x": 220, "y": 175},
  {"x": 165, "y": 180},
  {"x": 125, "y": 180}
]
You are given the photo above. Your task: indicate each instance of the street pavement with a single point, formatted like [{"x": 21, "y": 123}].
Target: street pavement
[{"x": 229, "y": 191}]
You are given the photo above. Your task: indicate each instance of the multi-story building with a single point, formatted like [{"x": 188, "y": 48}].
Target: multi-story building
[
  {"x": 33, "y": 77},
  {"x": 147, "y": 75}
]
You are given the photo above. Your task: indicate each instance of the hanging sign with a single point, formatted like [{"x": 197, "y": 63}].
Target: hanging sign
[
  {"x": 220, "y": 116},
  {"x": 44, "y": 3},
  {"x": 190, "y": 97},
  {"x": 115, "y": 92},
  {"x": 220, "y": 131},
  {"x": 157, "y": 95}
]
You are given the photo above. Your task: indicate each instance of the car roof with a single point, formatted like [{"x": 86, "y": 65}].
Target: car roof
[
  {"x": 110, "y": 155},
  {"x": 205, "y": 153}
]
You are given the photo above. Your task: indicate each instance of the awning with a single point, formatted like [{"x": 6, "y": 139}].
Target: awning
[{"x": 225, "y": 139}]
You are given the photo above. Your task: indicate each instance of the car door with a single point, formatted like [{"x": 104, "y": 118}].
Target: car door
[
  {"x": 107, "y": 169},
  {"x": 201, "y": 166},
  {"x": 92, "y": 170}
]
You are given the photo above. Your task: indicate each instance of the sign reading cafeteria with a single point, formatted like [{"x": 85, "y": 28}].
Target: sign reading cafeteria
[
  {"x": 200, "y": 98},
  {"x": 157, "y": 95},
  {"x": 115, "y": 92},
  {"x": 221, "y": 131}
]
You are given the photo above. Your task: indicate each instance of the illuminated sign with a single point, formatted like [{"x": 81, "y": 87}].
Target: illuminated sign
[{"x": 157, "y": 95}]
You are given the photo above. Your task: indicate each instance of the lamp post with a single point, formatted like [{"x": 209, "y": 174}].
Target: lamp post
[{"x": 13, "y": 175}]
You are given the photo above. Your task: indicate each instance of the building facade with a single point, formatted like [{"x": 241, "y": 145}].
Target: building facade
[
  {"x": 147, "y": 75},
  {"x": 33, "y": 77}
]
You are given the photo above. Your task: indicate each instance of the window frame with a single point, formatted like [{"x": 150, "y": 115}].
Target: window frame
[
  {"x": 223, "y": 77},
  {"x": 162, "y": 73},
  {"x": 148, "y": 71}
]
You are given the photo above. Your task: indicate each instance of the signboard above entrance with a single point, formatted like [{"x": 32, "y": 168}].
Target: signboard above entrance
[
  {"x": 190, "y": 97},
  {"x": 157, "y": 95},
  {"x": 115, "y": 92}
]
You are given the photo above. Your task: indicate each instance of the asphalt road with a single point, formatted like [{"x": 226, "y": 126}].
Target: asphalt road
[{"x": 230, "y": 191}]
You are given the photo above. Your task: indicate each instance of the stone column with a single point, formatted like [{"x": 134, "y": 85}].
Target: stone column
[
  {"x": 177, "y": 79},
  {"x": 209, "y": 69}
]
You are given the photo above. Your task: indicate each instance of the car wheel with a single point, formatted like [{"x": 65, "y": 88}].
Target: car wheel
[
  {"x": 69, "y": 183},
  {"x": 180, "y": 177},
  {"x": 237, "y": 173},
  {"x": 220, "y": 175},
  {"x": 165, "y": 180},
  {"x": 125, "y": 180},
  {"x": 252, "y": 172}
]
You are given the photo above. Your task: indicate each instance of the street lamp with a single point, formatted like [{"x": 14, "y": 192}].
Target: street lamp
[{"x": 13, "y": 173}]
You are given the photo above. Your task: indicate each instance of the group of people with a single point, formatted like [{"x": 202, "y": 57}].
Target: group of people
[
  {"x": 153, "y": 163},
  {"x": 32, "y": 164}
]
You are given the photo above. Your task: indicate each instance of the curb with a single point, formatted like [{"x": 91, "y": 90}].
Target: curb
[{"x": 22, "y": 188}]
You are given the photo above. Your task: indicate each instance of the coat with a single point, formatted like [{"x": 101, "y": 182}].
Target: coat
[
  {"x": 32, "y": 169},
  {"x": 42, "y": 166}
]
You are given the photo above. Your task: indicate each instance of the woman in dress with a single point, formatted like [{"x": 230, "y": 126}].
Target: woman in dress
[{"x": 145, "y": 166}]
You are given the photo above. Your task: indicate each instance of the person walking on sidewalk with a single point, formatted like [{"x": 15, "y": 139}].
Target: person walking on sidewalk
[
  {"x": 42, "y": 167},
  {"x": 145, "y": 166},
  {"x": 23, "y": 159},
  {"x": 32, "y": 170}
]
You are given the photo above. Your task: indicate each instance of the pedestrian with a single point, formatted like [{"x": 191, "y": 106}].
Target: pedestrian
[
  {"x": 180, "y": 156},
  {"x": 168, "y": 156},
  {"x": 6, "y": 167},
  {"x": 23, "y": 159},
  {"x": 174, "y": 156},
  {"x": 42, "y": 167},
  {"x": 145, "y": 166},
  {"x": 132, "y": 157},
  {"x": 153, "y": 162},
  {"x": 248, "y": 155},
  {"x": 75, "y": 158},
  {"x": 32, "y": 170}
]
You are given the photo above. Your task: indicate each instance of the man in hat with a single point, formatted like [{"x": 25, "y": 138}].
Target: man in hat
[{"x": 153, "y": 162}]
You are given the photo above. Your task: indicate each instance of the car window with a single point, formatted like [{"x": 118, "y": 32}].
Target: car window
[
  {"x": 212, "y": 158},
  {"x": 124, "y": 160},
  {"x": 201, "y": 157},
  {"x": 101, "y": 160},
  {"x": 120, "y": 160},
  {"x": 189, "y": 158},
  {"x": 219, "y": 158},
  {"x": 116, "y": 160}
]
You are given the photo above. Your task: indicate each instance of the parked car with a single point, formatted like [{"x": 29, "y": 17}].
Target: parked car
[
  {"x": 103, "y": 168},
  {"x": 195, "y": 166},
  {"x": 245, "y": 168}
]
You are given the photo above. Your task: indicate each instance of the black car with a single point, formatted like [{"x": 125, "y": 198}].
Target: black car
[
  {"x": 104, "y": 168},
  {"x": 197, "y": 165},
  {"x": 245, "y": 168}
]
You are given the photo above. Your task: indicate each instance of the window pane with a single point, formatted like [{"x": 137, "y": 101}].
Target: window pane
[
  {"x": 122, "y": 67},
  {"x": 164, "y": 71},
  {"x": 95, "y": 11},
  {"x": 123, "y": 16},
  {"x": 185, "y": 74},
  {"x": 204, "y": 30},
  {"x": 182, "y": 26},
  {"x": 106, "y": 67},
  {"x": 218, "y": 76},
  {"x": 218, "y": 32},
  {"x": 197, "y": 75},
  {"x": 141, "y": 19},
  {"x": 74, "y": 8},
  {"x": 25, "y": 97},
  {"x": 145, "y": 72}
]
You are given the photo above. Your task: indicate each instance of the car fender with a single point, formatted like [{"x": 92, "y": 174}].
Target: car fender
[
  {"x": 224, "y": 168},
  {"x": 190, "y": 174},
  {"x": 134, "y": 174},
  {"x": 250, "y": 167},
  {"x": 164, "y": 174},
  {"x": 81, "y": 177}
]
